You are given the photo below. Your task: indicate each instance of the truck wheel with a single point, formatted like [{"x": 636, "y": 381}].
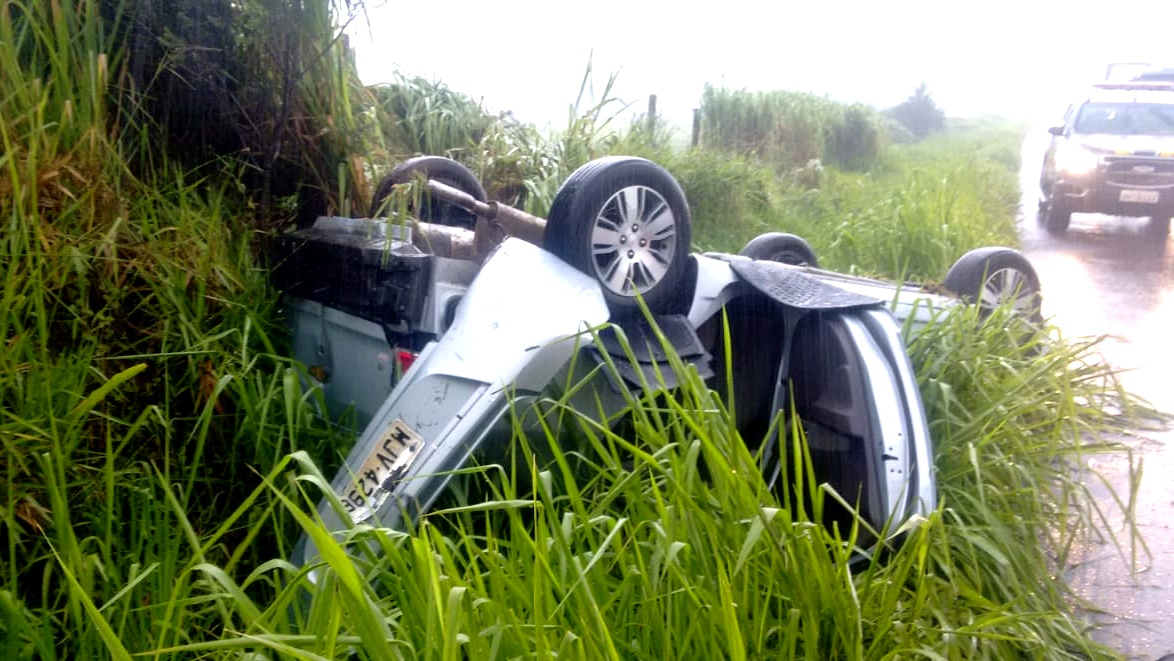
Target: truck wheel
[
  {"x": 1159, "y": 226},
  {"x": 444, "y": 170},
  {"x": 990, "y": 277},
  {"x": 1054, "y": 218},
  {"x": 624, "y": 221},
  {"x": 780, "y": 247}
]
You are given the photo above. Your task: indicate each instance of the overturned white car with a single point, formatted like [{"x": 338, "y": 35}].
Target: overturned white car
[{"x": 438, "y": 332}]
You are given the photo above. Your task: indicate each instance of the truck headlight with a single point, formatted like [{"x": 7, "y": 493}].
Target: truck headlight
[{"x": 1074, "y": 159}]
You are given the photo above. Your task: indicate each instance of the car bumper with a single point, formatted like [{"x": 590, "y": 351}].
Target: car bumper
[{"x": 1110, "y": 190}]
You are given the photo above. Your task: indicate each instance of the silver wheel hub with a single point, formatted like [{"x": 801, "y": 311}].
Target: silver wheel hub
[
  {"x": 633, "y": 240},
  {"x": 1008, "y": 285}
]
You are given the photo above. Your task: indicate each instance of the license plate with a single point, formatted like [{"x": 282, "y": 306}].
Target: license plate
[
  {"x": 1143, "y": 196},
  {"x": 381, "y": 470}
]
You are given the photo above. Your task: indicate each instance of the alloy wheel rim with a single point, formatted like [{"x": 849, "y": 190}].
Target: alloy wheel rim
[
  {"x": 633, "y": 240},
  {"x": 1008, "y": 285}
]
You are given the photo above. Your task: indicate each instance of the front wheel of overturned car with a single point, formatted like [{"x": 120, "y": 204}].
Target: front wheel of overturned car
[
  {"x": 446, "y": 171},
  {"x": 624, "y": 221},
  {"x": 991, "y": 277},
  {"x": 781, "y": 247}
]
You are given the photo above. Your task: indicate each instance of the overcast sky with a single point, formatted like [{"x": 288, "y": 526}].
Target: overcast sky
[{"x": 1021, "y": 59}]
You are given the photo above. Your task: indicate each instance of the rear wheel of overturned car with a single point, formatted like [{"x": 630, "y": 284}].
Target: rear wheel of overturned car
[
  {"x": 991, "y": 277},
  {"x": 624, "y": 221},
  {"x": 780, "y": 247},
  {"x": 444, "y": 170}
]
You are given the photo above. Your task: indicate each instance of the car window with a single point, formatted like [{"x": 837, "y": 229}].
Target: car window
[{"x": 1126, "y": 118}]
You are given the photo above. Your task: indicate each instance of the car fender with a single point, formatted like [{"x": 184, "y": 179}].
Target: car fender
[{"x": 524, "y": 316}]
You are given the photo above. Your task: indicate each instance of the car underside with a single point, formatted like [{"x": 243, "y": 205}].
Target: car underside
[{"x": 447, "y": 348}]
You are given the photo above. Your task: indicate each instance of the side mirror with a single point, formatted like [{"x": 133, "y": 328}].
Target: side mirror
[{"x": 1056, "y": 130}]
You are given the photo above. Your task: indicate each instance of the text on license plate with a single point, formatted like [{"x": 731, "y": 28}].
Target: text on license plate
[
  {"x": 1143, "y": 196},
  {"x": 370, "y": 485}
]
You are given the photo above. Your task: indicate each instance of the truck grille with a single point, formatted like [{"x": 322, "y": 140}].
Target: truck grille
[{"x": 1134, "y": 172}]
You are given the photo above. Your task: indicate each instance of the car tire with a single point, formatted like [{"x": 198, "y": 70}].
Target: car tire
[
  {"x": 624, "y": 221},
  {"x": 1054, "y": 218},
  {"x": 781, "y": 247},
  {"x": 990, "y": 277},
  {"x": 1159, "y": 226},
  {"x": 444, "y": 170}
]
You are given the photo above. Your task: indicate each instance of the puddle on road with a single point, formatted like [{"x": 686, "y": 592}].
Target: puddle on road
[{"x": 1133, "y": 308}]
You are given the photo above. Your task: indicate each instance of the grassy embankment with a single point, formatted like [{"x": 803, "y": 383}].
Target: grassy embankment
[{"x": 160, "y": 459}]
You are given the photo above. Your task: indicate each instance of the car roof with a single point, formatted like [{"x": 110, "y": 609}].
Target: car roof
[
  {"x": 1125, "y": 71},
  {"x": 1166, "y": 75},
  {"x": 1154, "y": 85},
  {"x": 1132, "y": 92}
]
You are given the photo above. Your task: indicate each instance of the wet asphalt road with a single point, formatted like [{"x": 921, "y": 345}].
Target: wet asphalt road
[{"x": 1106, "y": 276}]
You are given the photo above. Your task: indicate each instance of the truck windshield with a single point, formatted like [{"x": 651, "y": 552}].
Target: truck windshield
[{"x": 1126, "y": 119}]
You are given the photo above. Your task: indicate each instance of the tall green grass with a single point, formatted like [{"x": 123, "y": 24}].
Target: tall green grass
[
  {"x": 160, "y": 456},
  {"x": 138, "y": 370},
  {"x": 665, "y": 542},
  {"x": 519, "y": 164},
  {"x": 421, "y": 116},
  {"x": 789, "y": 129},
  {"x": 910, "y": 217}
]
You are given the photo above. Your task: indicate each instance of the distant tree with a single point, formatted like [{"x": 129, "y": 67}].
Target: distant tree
[{"x": 919, "y": 113}]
